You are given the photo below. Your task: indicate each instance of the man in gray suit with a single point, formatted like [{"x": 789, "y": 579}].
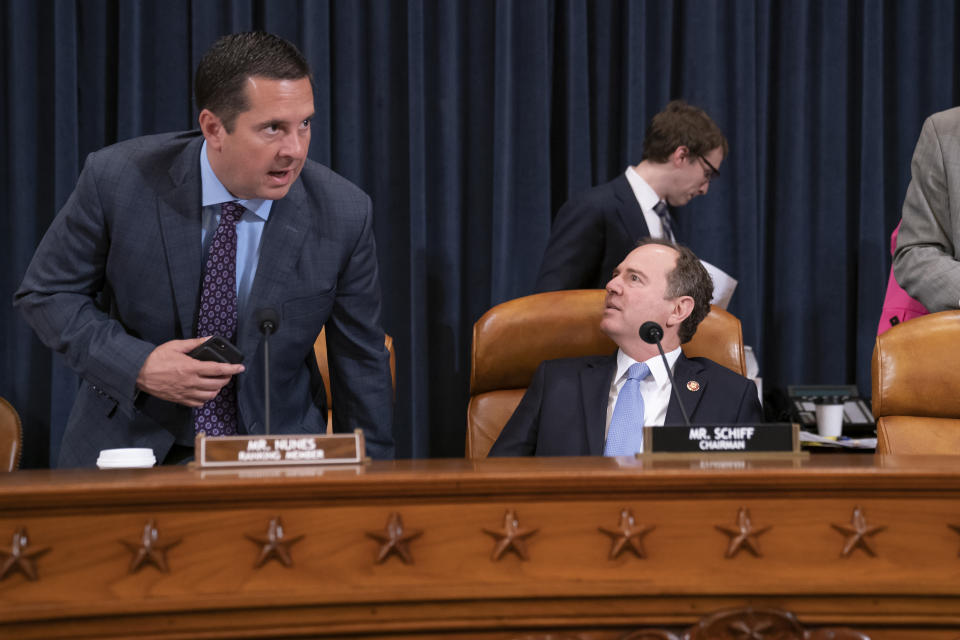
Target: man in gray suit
[
  {"x": 927, "y": 260},
  {"x": 169, "y": 239}
]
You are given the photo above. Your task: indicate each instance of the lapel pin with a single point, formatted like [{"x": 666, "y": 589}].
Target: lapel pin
[{"x": 693, "y": 385}]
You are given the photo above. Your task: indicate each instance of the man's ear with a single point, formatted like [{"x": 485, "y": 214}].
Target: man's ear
[
  {"x": 212, "y": 128},
  {"x": 680, "y": 155},
  {"x": 682, "y": 308}
]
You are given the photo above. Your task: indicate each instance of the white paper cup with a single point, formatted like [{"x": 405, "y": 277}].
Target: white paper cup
[
  {"x": 126, "y": 459},
  {"x": 829, "y": 420}
]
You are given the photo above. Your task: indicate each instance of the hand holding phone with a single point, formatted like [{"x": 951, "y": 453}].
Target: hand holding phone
[{"x": 217, "y": 349}]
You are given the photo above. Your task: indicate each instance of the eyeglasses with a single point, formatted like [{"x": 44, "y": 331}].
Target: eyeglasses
[{"x": 713, "y": 172}]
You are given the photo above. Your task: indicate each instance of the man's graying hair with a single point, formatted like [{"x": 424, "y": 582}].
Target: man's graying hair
[
  {"x": 688, "y": 278},
  {"x": 220, "y": 83}
]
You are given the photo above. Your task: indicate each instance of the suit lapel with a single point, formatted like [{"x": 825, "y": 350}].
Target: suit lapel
[
  {"x": 595, "y": 380},
  {"x": 631, "y": 215},
  {"x": 280, "y": 246},
  {"x": 179, "y": 212},
  {"x": 691, "y": 385}
]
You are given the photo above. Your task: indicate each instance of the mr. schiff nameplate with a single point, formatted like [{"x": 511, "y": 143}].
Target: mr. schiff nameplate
[
  {"x": 280, "y": 450},
  {"x": 772, "y": 438}
]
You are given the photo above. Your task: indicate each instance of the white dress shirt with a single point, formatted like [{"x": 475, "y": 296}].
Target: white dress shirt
[
  {"x": 655, "y": 388},
  {"x": 647, "y": 198}
]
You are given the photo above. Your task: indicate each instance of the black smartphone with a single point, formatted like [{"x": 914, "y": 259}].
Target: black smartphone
[{"x": 217, "y": 349}]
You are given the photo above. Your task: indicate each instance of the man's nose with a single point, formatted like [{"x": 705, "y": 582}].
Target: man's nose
[{"x": 293, "y": 145}]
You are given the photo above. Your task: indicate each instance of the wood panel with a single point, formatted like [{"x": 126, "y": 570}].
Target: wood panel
[{"x": 400, "y": 549}]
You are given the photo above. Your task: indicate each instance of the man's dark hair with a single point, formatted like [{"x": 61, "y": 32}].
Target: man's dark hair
[
  {"x": 680, "y": 124},
  {"x": 688, "y": 278},
  {"x": 220, "y": 83}
]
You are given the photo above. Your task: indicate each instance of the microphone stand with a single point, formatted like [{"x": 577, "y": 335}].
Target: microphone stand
[{"x": 651, "y": 333}]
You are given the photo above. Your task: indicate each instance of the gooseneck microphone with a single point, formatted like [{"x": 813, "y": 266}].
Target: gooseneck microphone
[
  {"x": 267, "y": 322},
  {"x": 652, "y": 333}
]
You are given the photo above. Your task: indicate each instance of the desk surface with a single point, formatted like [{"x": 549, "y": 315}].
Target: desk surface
[
  {"x": 403, "y": 547},
  {"x": 837, "y": 473}
]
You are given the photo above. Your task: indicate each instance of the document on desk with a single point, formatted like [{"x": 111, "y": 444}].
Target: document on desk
[
  {"x": 842, "y": 441},
  {"x": 723, "y": 285}
]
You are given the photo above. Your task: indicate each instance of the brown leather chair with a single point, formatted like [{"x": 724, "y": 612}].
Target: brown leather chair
[
  {"x": 320, "y": 351},
  {"x": 11, "y": 437},
  {"x": 512, "y": 339},
  {"x": 916, "y": 389}
]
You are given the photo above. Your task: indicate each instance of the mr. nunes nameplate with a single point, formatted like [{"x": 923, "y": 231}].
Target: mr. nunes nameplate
[
  {"x": 280, "y": 450},
  {"x": 722, "y": 438}
]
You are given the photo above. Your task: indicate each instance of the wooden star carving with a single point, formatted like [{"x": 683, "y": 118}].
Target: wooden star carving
[
  {"x": 394, "y": 539},
  {"x": 955, "y": 527},
  {"x": 857, "y": 533},
  {"x": 627, "y": 535},
  {"x": 511, "y": 538},
  {"x": 756, "y": 630},
  {"x": 744, "y": 536},
  {"x": 275, "y": 545},
  {"x": 19, "y": 558},
  {"x": 149, "y": 549}
]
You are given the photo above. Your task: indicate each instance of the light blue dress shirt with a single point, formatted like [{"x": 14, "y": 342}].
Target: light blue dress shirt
[{"x": 249, "y": 228}]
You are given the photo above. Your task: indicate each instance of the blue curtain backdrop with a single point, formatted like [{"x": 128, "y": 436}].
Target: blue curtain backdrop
[{"x": 471, "y": 122}]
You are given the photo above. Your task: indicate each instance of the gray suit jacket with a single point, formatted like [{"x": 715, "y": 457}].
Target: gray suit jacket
[
  {"x": 118, "y": 273},
  {"x": 927, "y": 260}
]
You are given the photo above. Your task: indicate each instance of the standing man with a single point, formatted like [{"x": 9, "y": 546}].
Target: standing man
[
  {"x": 682, "y": 152},
  {"x": 172, "y": 238},
  {"x": 927, "y": 260},
  {"x": 598, "y": 405}
]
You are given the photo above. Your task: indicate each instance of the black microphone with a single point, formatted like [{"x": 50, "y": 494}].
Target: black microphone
[
  {"x": 652, "y": 333},
  {"x": 267, "y": 322}
]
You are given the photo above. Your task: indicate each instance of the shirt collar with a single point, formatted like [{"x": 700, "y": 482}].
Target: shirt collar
[
  {"x": 655, "y": 363},
  {"x": 215, "y": 193},
  {"x": 644, "y": 193}
]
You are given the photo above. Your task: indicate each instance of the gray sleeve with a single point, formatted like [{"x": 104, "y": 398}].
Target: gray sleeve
[
  {"x": 925, "y": 263},
  {"x": 59, "y": 295}
]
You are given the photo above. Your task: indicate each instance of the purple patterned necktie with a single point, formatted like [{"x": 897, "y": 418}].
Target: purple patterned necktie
[{"x": 218, "y": 316}]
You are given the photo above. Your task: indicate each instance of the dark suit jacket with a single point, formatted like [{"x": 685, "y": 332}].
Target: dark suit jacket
[
  {"x": 118, "y": 273},
  {"x": 564, "y": 411},
  {"x": 592, "y": 233}
]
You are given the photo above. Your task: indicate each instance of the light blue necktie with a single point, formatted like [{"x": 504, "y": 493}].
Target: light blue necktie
[{"x": 625, "y": 435}]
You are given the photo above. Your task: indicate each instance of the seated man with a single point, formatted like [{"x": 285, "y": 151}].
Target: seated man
[{"x": 598, "y": 404}]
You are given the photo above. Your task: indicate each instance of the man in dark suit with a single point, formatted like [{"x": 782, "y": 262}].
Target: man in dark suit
[
  {"x": 169, "y": 239},
  {"x": 598, "y": 405},
  {"x": 682, "y": 151}
]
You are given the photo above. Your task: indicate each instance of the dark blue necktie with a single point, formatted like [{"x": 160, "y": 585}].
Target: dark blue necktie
[
  {"x": 666, "y": 224},
  {"x": 218, "y": 316}
]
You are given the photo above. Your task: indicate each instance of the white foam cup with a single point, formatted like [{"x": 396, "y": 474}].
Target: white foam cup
[
  {"x": 829, "y": 420},
  {"x": 126, "y": 459}
]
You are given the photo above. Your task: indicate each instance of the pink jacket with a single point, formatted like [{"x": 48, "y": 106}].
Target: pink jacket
[{"x": 898, "y": 306}]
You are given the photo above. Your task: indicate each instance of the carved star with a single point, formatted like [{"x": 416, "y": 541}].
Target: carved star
[
  {"x": 18, "y": 558},
  {"x": 857, "y": 533},
  {"x": 627, "y": 536},
  {"x": 275, "y": 545},
  {"x": 149, "y": 549},
  {"x": 511, "y": 537},
  {"x": 955, "y": 527},
  {"x": 744, "y": 536},
  {"x": 755, "y": 631},
  {"x": 395, "y": 539}
]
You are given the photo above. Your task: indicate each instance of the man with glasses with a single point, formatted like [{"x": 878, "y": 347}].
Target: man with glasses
[{"x": 682, "y": 152}]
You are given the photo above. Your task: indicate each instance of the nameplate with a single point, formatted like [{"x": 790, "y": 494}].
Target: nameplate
[
  {"x": 280, "y": 450},
  {"x": 722, "y": 438}
]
